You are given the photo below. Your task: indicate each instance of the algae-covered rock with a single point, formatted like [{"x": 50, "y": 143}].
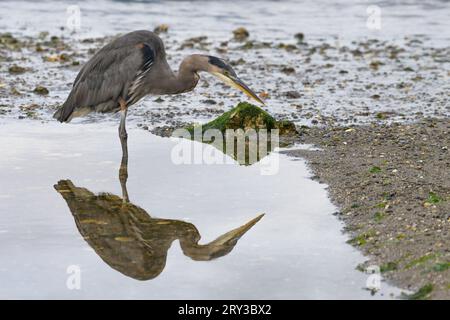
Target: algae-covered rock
[
  {"x": 252, "y": 133},
  {"x": 248, "y": 116},
  {"x": 15, "y": 69},
  {"x": 7, "y": 41},
  {"x": 241, "y": 34},
  {"x": 41, "y": 90},
  {"x": 162, "y": 28}
]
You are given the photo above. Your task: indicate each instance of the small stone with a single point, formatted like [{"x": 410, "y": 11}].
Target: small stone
[
  {"x": 240, "y": 61},
  {"x": 51, "y": 58},
  {"x": 41, "y": 90},
  {"x": 264, "y": 95},
  {"x": 209, "y": 101},
  {"x": 15, "y": 69},
  {"x": 162, "y": 28},
  {"x": 375, "y": 65},
  {"x": 241, "y": 34},
  {"x": 288, "y": 70},
  {"x": 300, "y": 37},
  {"x": 43, "y": 34},
  {"x": 64, "y": 57},
  {"x": 292, "y": 94}
]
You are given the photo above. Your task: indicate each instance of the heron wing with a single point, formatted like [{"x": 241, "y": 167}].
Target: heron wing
[{"x": 114, "y": 71}]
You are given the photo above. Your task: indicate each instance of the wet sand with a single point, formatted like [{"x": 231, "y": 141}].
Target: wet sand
[
  {"x": 392, "y": 186},
  {"x": 312, "y": 82}
]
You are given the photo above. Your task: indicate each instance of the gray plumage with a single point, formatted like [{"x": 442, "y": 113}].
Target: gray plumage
[{"x": 125, "y": 68}]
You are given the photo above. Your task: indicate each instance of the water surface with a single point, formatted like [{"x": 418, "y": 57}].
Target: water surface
[{"x": 296, "y": 250}]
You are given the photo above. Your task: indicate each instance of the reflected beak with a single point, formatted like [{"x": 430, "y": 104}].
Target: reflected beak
[
  {"x": 240, "y": 85},
  {"x": 219, "y": 247},
  {"x": 231, "y": 237}
]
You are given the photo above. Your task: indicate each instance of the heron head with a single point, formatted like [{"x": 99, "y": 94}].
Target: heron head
[{"x": 222, "y": 70}]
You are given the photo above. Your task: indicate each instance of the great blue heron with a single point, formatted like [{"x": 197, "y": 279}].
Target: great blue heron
[{"x": 131, "y": 67}]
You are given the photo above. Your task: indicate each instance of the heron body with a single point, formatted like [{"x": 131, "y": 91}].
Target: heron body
[{"x": 131, "y": 67}]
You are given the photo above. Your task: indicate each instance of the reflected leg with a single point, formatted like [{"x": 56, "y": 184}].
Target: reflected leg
[
  {"x": 123, "y": 131},
  {"x": 123, "y": 177}
]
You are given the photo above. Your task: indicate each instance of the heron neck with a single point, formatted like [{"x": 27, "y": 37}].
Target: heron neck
[{"x": 187, "y": 76}]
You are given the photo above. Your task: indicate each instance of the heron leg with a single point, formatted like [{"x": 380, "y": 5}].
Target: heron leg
[
  {"x": 123, "y": 131},
  {"x": 123, "y": 171},
  {"x": 123, "y": 177}
]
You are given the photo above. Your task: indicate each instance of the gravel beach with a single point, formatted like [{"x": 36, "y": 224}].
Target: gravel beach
[{"x": 391, "y": 184}]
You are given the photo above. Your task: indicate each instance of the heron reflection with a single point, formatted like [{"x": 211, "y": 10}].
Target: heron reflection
[{"x": 132, "y": 242}]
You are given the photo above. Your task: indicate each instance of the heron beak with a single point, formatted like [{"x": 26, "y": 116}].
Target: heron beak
[{"x": 240, "y": 85}]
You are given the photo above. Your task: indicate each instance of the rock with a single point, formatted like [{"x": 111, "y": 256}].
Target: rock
[
  {"x": 288, "y": 47},
  {"x": 209, "y": 101},
  {"x": 248, "y": 116},
  {"x": 162, "y": 28},
  {"x": 288, "y": 70},
  {"x": 163, "y": 131},
  {"x": 195, "y": 42},
  {"x": 63, "y": 57},
  {"x": 198, "y": 39},
  {"x": 15, "y": 69},
  {"x": 287, "y": 128},
  {"x": 42, "y": 35},
  {"x": 238, "y": 62},
  {"x": 375, "y": 65},
  {"x": 264, "y": 95},
  {"x": 292, "y": 94},
  {"x": 41, "y": 90},
  {"x": 241, "y": 34},
  {"x": 9, "y": 42},
  {"x": 300, "y": 37}
]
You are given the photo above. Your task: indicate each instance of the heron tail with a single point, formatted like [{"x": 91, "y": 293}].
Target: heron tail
[{"x": 63, "y": 114}]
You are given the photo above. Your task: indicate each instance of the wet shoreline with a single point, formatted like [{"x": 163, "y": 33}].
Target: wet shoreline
[
  {"x": 310, "y": 82},
  {"x": 391, "y": 185}
]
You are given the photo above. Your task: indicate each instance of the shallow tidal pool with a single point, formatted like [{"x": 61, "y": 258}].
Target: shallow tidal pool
[{"x": 65, "y": 232}]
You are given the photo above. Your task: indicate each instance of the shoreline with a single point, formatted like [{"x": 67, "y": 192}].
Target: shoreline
[{"x": 391, "y": 184}]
